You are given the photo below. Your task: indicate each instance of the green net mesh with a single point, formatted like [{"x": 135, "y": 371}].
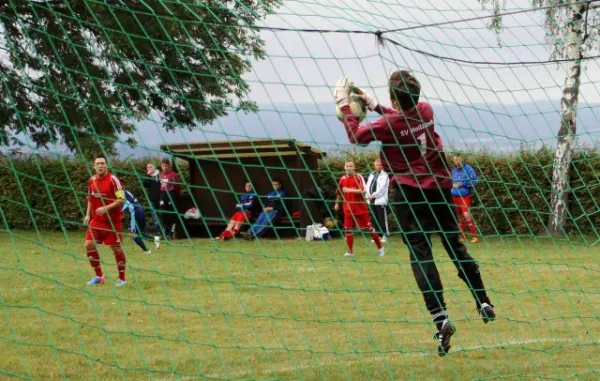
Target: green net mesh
[{"x": 240, "y": 91}]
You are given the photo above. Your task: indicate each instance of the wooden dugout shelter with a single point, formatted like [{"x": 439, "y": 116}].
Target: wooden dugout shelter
[{"x": 218, "y": 171}]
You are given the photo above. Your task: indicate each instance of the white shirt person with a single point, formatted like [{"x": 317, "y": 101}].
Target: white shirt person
[{"x": 377, "y": 191}]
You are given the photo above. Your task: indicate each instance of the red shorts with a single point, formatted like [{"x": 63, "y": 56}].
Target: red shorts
[
  {"x": 362, "y": 220},
  {"x": 462, "y": 204},
  {"x": 240, "y": 216},
  {"x": 104, "y": 233}
]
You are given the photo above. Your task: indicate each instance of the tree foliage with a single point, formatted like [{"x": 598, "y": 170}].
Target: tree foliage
[
  {"x": 80, "y": 73},
  {"x": 556, "y": 21}
]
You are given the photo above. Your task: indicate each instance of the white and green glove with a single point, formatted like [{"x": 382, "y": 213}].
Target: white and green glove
[
  {"x": 366, "y": 98},
  {"x": 341, "y": 92}
]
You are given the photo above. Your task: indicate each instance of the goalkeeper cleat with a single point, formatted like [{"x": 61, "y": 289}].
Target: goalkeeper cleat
[
  {"x": 157, "y": 241},
  {"x": 96, "y": 280},
  {"x": 443, "y": 337},
  {"x": 121, "y": 283},
  {"x": 381, "y": 252},
  {"x": 487, "y": 312}
]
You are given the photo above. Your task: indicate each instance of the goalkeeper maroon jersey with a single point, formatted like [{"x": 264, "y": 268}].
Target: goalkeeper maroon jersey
[
  {"x": 354, "y": 203},
  {"x": 412, "y": 152},
  {"x": 103, "y": 191}
]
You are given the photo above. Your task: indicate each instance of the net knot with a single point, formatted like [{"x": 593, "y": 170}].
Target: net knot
[{"x": 379, "y": 36}]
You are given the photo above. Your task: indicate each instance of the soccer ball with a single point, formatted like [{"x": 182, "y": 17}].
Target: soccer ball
[
  {"x": 357, "y": 108},
  {"x": 329, "y": 223}
]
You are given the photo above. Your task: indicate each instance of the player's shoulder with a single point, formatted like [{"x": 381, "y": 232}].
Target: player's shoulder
[
  {"x": 114, "y": 180},
  {"x": 424, "y": 105},
  {"x": 425, "y": 110},
  {"x": 112, "y": 177}
]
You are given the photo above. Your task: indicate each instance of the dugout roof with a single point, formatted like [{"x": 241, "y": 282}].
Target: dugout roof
[{"x": 240, "y": 149}]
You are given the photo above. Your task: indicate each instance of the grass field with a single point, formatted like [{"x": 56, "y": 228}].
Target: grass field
[{"x": 292, "y": 310}]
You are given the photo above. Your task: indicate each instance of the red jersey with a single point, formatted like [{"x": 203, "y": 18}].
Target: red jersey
[
  {"x": 412, "y": 152},
  {"x": 170, "y": 182},
  {"x": 102, "y": 192},
  {"x": 354, "y": 203}
]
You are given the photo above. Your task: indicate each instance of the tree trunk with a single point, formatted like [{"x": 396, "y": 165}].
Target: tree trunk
[{"x": 566, "y": 135}]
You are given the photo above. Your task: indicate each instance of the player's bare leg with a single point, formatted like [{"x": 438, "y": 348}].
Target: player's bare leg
[
  {"x": 461, "y": 224},
  {"x": 94, "y": 258},
  {"x": 236, "y": 228},
  {"x": 469, "y": 222},
  {"x": 121, "y": 264},
  {"x": 377, "y": 240},
  {"x": 227, "y": 233},
  {"x": 349, "y": 243}
]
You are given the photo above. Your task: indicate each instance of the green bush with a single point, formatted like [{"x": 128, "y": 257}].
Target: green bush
[
  {"x": 513, "y": 194},
  {"x": 512, "y": 197},
  {"x": 45, "y": 193}
]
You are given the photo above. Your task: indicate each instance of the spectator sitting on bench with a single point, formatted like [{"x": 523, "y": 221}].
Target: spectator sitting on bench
[
  {"x": 271, "y": 212},
  {"x": 243, "y": 213}
]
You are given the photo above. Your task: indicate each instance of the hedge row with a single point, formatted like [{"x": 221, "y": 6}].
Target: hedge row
[
  {"x": 513, "y": 194},
  {"x": 512, "y": 197},
  {"x": 45, "y": 193}
]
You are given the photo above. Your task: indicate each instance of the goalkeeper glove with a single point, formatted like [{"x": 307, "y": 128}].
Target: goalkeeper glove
[
  {"x": 341, "y": 92},
  {"x": 366, "y": 98}
]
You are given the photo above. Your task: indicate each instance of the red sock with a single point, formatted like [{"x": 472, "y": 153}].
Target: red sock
[
  {"x": 94, "y": 259},
  {"x": 121, "y": 262},
  {"x": 471, "y": 225},
  {"x": 462, "y": 225},
  {"x": 376, "y": 239},
  {"x": 350, "y": 241},
  {"x": 235, "y": 231}
]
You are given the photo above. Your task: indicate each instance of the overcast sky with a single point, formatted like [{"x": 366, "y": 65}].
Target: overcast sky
[{"x": 300, "y": 66}]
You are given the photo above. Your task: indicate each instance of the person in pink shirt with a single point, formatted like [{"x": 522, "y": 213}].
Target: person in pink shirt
[{"x": 170, "y": 188}]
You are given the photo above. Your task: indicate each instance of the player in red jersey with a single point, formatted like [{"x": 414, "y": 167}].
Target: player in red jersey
[
  {"x": 351, "y": 189},
  {"x": 103, "y": 217},
  {"x": 412, "y": 152}
]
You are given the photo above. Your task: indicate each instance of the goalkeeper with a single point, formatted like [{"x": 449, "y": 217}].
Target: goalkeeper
[{"x": 412, "y": 153}]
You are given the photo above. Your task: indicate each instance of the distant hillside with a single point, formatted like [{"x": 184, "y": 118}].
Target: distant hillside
[{"x": 495, "y": 127}]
